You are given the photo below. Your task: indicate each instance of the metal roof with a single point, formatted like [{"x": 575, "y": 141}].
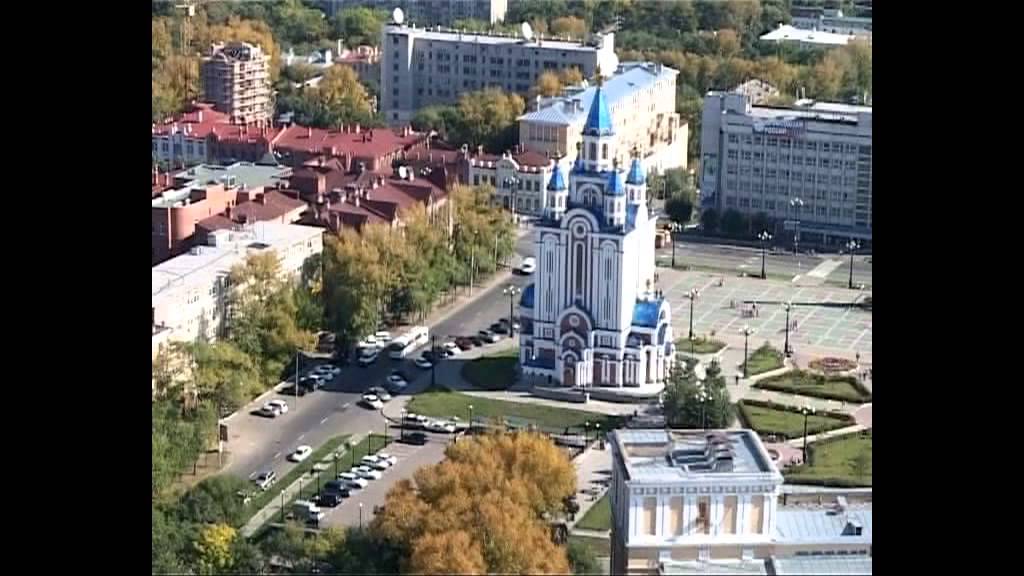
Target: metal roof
[
  {"x": 795, "y": 525},
  {"x": 645, "y": 313},
  {"x": 615, "y": 186},
  {"x": 636, "y": 173},
  {"x": 729, "y": 567},
  {"x": 557, "y": 181},
  {"x": 821, "y": 565},
  {"x": 599, "y": 119}
]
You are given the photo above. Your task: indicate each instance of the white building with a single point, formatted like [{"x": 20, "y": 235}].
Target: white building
[
  {"x": 190, "y": 291},
  {"x": 807, "y": 38},
  {"x": 641, "y": 97},
  {"x": 519, "y": 177},
  {"x": 592, "y": 318},
  {"x": 422, "y": 67},
  {"x": 708, "y": 502},
  {"x": 830, "y": 20},
  {"x": 807, "y": 167}
]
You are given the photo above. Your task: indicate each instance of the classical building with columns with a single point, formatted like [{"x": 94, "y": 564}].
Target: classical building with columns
[
  {"x": 713, "y": 502},
  {"x": 592, "y": 318}
]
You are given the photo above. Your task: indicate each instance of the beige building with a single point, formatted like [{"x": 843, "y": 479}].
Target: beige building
[
  {"x": 517, "y": 176},
  {"x": 641, "y": 97},
  {"x": 236, "y": 79},
  {"x": 697, "y": 502}
]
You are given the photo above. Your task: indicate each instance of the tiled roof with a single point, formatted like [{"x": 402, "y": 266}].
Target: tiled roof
[
  {"x": 645, "y": 313},
  {"x": 215, "y": 222},
  {"x": 368, "y": 143},
  {"x": 531, "y": 158},
  {"x": 202, "y": 121},
  {"x": 275, "y": 205}
]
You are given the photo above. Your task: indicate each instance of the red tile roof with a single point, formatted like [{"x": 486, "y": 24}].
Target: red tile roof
[
  {"x": 215, "y": 222},
  {"x": 202, "y": 120},
  {"x": 275, "y": 205},
  {"x": 368, "y": 143},
  {"x": 531, "y": 158}
]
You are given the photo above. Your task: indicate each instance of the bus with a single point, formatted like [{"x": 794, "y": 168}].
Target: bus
[{"x": 405, "y": 344}]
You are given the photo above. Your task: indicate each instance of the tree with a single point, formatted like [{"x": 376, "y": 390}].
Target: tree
[
  {"x": 214, "y": 547},
  {"x": 728, "y": 43},
  {"x": 709, "y": 221},
  {"x": 359, "y": 26},
  {"x": 548, "y": 85},
  {"x": 223, "y": 375},
  {"x": 487, "y": 117},
  {"x": 734, "y": 223},
  {"x": 683, "y": 406},
  {"x": 582, "y": 558},
  {"x": 569, "y": 26},
  {"x": 451, "y": 552},
  {"x": 679, "y": 209},
  {"x": 215, "y": 500}
]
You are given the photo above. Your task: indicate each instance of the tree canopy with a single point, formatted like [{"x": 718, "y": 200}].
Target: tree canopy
[{"x": 684, "y": 406}]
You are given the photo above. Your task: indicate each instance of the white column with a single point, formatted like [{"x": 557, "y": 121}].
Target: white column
[
  {"x": 619, "y": 373},
  {"x": 634, "y": 515},
  {"x": 717, "y": 506},
  {"x": 689, "y": 514},
  {"x": 742, "y": 510},
  {"x": 769, "y": 515},
  {"x": 660, "y": 516}
]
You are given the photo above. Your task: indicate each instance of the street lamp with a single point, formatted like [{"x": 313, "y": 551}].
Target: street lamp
[
  {"x": 511, "y": 291},
  {"x": 765, "y": 237},
  {"x": 692, "y": 295},
  {"x": 512, "y": 182},
  {"x": 852, "y": 245},
  {"x": 472, "y": 262},
  {"x": 360, "y": 515},
  {"x": 785, "y": 348},
  {"x": 297, "y": 356},
  {"x": 586, "y": 432},
  {"x": 807, "y": 410},
  {"x": 798, "y": 204},
  {"x": 673, "y": 227},
  {"x": 747, "y": 331},
  {"x": 470, "y": 418},
  {"x": 702, "y": 398},
  {"x": 352, "y": 453},
  {"x": 433, "y": 361},
  {"x": 404, "y": 414},
  {"x": 369, "y": 442}
]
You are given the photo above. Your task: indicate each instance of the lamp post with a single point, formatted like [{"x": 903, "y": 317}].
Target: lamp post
[
  {"x": 297, "y": 356},
  {"x": 385, "y": 429},
  {"x": 404, "y": 414},
  {"x": 797, "y": 204},
  {"x": 807, "y": 410},
  {"x": 472, "y": 262},
  {"x": 672, "y": 229},
  {"x": 360, "y": 515},
  {"x": 336, "y": 456},
  {"x": 852, "y": 245},
  {"x": 765, "y": 237},
  {"x": 369, "y": 442},
  {"x": 433, "y": 361},
  {"x": 692, "y": 295},
  {"x": 785, "y": 348},
  {"x": 702, "y": 398},
  {"x": 747, "y": 331},
  {"x": 511, "y": 290},
  {"x": 352, "y": 453},
  {"x": 512, "y": 182},
  {"x": 471, "y": 418},
  {"x": 586, "y": 432}
]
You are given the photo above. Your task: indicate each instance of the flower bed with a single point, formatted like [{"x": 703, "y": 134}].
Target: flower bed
[
  {"x": 843, "y": 388},
  {"x": 832, "y": 365},
  {"x": 786, "y": 421}
]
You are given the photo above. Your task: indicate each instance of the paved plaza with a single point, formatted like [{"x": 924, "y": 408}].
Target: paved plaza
[{"x": 721, "y": 309}]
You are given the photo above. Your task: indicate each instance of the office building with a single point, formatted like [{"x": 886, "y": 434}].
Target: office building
[
  {"x": 713, "y": 502},
  {"x": 422, "y": 67},
  {"x": 190, "y": 291},
  {"x": 236, "y": 79},
  {"x": 641, "y": 96},
  {"x": 592, "y": 317},
  {"x": 807, "y": 167},
  {"x": 432, "y": 12}
]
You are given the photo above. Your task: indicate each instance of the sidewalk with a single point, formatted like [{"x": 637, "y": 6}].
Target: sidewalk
[
  {"x": 592, "y": 467},
  {"x": 286, "y": 495}
]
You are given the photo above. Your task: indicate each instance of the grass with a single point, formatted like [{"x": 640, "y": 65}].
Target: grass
[
  {"x": 601, "y": 547},
  {"x": 839, "y": 461},
  {"x": 549, "y": 418},
  {"x": 767, "y": 418},
  {"x": 599, "y": 517},
  {"x": 492, "y": 372},
  {"x": 313, "y": 485},
  {"x": 845, "y": 388},
  {"x": 764, "y": 359},
  {"x": 699, "y": 345},
  {"x": 261, "y": 498}
]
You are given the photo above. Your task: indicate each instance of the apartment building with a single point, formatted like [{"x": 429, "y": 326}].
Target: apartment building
[
  {"x": 713, "y": 502},
  {"x": 203, "y": 134},
  {"x": 641, "y": 97},
  {"x": 807, "y": 167},
  {"x": 190, "y": 291},
  {"x": 236, "y": 79},
  {"x": 519, "y": 176},
  {"x": 829, "y": 20},
  {"x": 432, "y": 12},
  {"x": 422, "y": 67}
]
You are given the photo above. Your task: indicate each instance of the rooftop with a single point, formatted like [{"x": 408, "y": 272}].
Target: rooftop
[
  {"x": 679, "y": 455},
  {"x": 202, "y": 121},
  {"x": 267, "y": 206},
  {"x": 821, "y": 565},
  {"x": 725, "y": 567},
  {"x": 796, "y": 524},
  {"x": 787, "y": 33},
  {"x": 203, "y": 264},
  {"x": 353, "y": 140},
  {"x": 450, "y": 35},
  {"x": 629, "y": 77},
  {"x": 241, "y": 174}
]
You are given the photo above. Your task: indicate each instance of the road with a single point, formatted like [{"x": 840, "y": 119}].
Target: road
[
  {"x": 737, "y": 259},
  {"x": 257, "y": 443}
]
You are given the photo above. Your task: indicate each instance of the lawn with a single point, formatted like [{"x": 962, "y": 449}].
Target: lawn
[
  {"x": 599, "y": 517},
  {"x": 764, "y": 359},
  {"x": 548, "y": 418},
  {"x": 492, "y": 372},
  {"x": 601, "y": 547},
  {"x": 845, "y": 388},
  {"x": 766, "y": 418},
  {"x": 839, "y": 461},
  {"x": 699, "y": 345},
  {"x": 261, "y": 499}
]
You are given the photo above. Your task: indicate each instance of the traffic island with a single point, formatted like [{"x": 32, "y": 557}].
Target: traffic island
[
  {"x": 764, "y": 359},
  {"x": 841, "y": 461},
  {"x": 699, "y": 345}
]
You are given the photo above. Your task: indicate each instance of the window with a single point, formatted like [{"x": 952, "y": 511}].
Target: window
[
  {"x": 731, "y": 154},
  {"x": 593, "y": 151},
  {"x": 733, "y": 139},
  {"x": 704, "y": 515},
  {"x": 773, "y": 141},
  {"x": 476, "y": 179},
  {"x": 744, "y": 202},
  {"x": 746, "y": 154},
  {"x": 730, "y": 201},
  {"x": 395, "y": 66},
  {"x": 604, "y": 151},
  {"x": 758, "y": 140},
  {"x": 755, "y": 202}
]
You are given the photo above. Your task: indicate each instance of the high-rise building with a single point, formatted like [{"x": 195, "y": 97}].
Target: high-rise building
[
  {"x": 592, "y": 318},
  {"x": 641, "y": 97},
  {"x": 714, "y": 502},
  {"x": 236, "y": 79},
  {"x": 421, "y": 67},
  {"x": 806, "y": 167},
  {"x": 431, "y": 12}
]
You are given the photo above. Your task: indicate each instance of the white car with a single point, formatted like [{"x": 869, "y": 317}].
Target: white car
[
  {"x": 376, "y": 462},
  {"x": 383, "y": 336},
  {"x": 529, "y": 265},
  {"x": 372, "y": 401},
  {"x": 379, "y": 392},
  {"x": 367, "y": 473},
  {"x": 352, "y": 480},
  {"x": 452, "y": 348},
  {"x": 368, "y": 356},
  {"x": 300, "y": 454},
  {"x": 327, "y": 371},
  {"x": 423, "y": 363},
  {"x": 279, "y": 404},
  {"x": 369, "y": 342},
  {"x": 439, "y": 426},
  {"x": 269, "y": 410},
  {"x": 392, "y": 460}
]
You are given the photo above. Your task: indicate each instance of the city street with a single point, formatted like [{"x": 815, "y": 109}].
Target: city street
[
  {"x": 256, "y": 443},
  {"x": 833, "y": 268}
]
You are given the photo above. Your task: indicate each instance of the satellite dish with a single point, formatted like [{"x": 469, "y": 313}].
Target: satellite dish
[
  {"x": 398, "y": 16},
  {"x": 527, "y": 31}
]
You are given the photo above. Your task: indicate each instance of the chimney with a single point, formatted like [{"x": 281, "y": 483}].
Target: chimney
[
  {"x": 537, "y": 103},
  {"x": 480, "y": 150},
  {"x": 262, "y": 199},
  {"x": 309, "y": 131},
  {"x": 358, "y": 128},
  {"x": 227, "y": 211}
]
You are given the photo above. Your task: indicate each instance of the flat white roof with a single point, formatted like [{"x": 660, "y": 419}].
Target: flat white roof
[
  {"x": 788, "y": 33},
  {"x": 445, "y": 35}
]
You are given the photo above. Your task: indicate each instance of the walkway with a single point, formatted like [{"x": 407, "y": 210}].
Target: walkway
[{"x": 593, "y": 476}]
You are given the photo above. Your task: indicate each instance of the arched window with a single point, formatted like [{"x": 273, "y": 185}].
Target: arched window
[
  {"x": 604, "y": 151},
  {"x": 579, "y": 270},
  {"x": 593, "y": 151}
]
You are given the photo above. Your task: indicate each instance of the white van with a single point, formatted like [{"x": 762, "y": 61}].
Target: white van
[{"x": 307, "y": 511}]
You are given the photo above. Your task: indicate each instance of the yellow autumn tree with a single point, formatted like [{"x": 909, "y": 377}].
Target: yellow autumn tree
[{"x": 213, "y": 548}]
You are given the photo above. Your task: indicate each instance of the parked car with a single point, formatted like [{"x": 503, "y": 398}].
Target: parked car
[
  {"x": 337, "y": 487},
  {"x": 290, "y": 391},
  {"x": 489, "y": 337},
  {"x": 439, "y": 426},
  {"x": 397, "y": 386},
  {"x": 367, "y": 473},
  {"x": 452, "y": 347},
  {"x": 280, "y": 404},
  {"x": 414, "y": 438},
  {"x": 264, "y": 480},
  {"x": 477, "y": 340},
  {"x": 372, "y": 401},
  {"x": 328, "y": 371},
  {"x": 389, "y": 457},
  {"x": 529, "y": 265},
  {"x": 329, "y": 499},
  {"x": 375, "y": 462},
  {"x": 504, "y": 322},
  {"x": 499, "y": 328},
  {"x": 464, "y": 343},
  {"x": 382, "y": 337},
  {"x": 308, "y": 511},
  {"x": 368, "y": 357},
  {"x": 381, "y": 393},
  {"x": 268, "y": 411},
  {"x": 414, "y": 421},
  {"x": 397, "y": 377},
  {"x": 423, "y": 363},
  {"x": 352, "y": 480},
  {"x": 300, "y": 453},
  {"x": 368, "y": 342}
]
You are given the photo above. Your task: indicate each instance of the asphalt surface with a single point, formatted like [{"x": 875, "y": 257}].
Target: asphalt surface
[{"x": 256, "y": 443}]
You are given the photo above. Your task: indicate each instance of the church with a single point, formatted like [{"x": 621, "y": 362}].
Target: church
[{"x": 592, "y": 317}]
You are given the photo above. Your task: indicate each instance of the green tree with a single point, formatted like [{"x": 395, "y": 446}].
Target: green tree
[
  {"x": 734, "y": 223},
  {"x": 488, "y": 118},
  {"x": 692, "y": 404},
  {"x": 215, "y": 500},
  {"x": 582, "y": 558},
  {"x": 359, "y": 25},
  {"x": 679, "y": 208},
  {"x": 709, "y": 220},
  {"x": 568, "y": 26}
]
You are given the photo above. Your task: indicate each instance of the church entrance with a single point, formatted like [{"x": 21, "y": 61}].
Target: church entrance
[{"x": 569, "y": 376}]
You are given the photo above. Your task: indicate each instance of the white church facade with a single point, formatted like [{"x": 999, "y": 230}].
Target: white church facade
[{"x": 592, "y": 317}]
